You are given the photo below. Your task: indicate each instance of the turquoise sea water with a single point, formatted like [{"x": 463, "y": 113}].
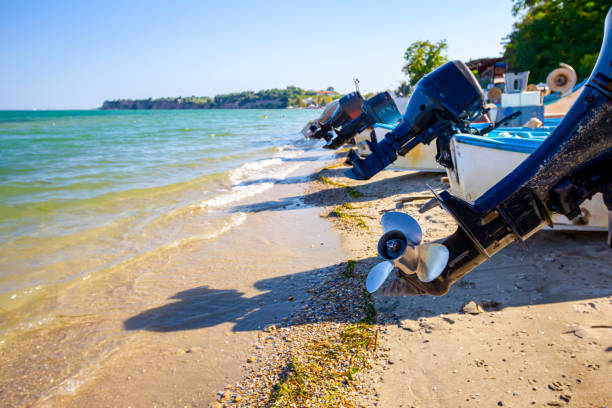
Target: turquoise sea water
[{"x": 83, "y": 190}]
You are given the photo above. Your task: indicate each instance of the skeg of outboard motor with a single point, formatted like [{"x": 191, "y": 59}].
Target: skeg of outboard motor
[
  {"x": 349, "y": 108},
  {"x": 571, "y": 165},
  {"x": 380, "y": 108}
]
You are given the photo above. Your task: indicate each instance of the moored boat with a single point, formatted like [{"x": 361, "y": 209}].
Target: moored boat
[{"x": 480, "y": 162}]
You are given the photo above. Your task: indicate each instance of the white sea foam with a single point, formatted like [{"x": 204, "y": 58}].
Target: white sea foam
[
  {"x": 252, "y": 170},
  {"x": 235, "y": 194},
  {"x": 255, "y": 177}
]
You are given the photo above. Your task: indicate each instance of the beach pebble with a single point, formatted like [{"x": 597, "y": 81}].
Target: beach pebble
[
  {"x": 556, "y": 386},
  {"x": 407, "y": 325},
  {"x": 472, "y": 307}
]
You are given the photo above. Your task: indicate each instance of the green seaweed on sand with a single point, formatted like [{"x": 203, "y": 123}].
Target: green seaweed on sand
[
  {"x": 322, "y": 373},
  {"x": 368, "y": 308},
  {"x": 349, "y": 269},
  {"x": 329, "y": 181},
  {"x": 351, "y": 191},
  {"x": 334, "y": 166},
  {"x": 325, "y": 369},
  {"x": 341, "y": 212}
]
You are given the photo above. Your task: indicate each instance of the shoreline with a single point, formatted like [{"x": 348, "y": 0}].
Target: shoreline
[{"x": 292, "y": 325}]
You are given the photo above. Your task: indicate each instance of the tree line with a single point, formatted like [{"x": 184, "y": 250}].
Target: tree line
[
  {"x": 548, "y": 32},
  {"x": 291, "y": 96}
]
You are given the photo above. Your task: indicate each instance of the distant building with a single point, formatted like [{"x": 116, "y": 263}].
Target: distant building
[{"x": 491, "y": 71}]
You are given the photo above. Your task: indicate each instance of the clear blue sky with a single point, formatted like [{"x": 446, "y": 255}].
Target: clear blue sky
[{"x": 75, "y": 54}]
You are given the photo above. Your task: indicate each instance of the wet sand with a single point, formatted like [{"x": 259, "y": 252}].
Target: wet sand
[{"x": 173, "y": 328}]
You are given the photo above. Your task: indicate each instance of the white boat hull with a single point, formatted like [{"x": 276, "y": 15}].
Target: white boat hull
[{"x": 478, "y": 168}]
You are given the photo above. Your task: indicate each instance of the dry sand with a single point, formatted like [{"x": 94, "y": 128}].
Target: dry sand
[{"x": 543, "y": 337}]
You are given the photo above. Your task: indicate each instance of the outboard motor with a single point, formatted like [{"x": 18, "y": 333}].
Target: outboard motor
[
  {"x": 313, "y": 125},
  {"x": 378, "y": 109},
  {"x": 571, "y": 165},
  {"x": 349, "y": 108},
  {"x": 443, "y": 103}
]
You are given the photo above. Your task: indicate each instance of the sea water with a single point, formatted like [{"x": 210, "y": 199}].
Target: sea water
[
  {"x": 81, "y": 191},
  {"x": 125, "y": 235}
]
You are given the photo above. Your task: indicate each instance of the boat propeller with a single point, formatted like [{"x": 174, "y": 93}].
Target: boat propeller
[{"x": 401, "y": 247}]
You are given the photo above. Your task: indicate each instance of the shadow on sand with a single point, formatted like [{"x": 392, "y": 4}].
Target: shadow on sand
[
  {"x": 204, "y": 307},
  {"x": 547, "y": 272},
  {"x": 335, "y": 195}
]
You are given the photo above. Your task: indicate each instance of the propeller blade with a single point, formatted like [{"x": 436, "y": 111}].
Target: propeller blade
[
  {"x": 404, "y": 223},
  {"x": 432, "y": 261},
  {"x": 378, "y": 275}
]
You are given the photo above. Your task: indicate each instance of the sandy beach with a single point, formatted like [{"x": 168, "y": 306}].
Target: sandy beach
[
  {"x": 177, "y": 228},
  {"x": 530, "y": 327},
  {"x": 286, "y": 321}
]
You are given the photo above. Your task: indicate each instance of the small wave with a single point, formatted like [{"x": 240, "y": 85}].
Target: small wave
[
  {"x": 255, "y": 177},
  {"x": 236, "y": 194},
  {"x": 248, "y": 171},
  {"x": 288, "y": 151},
  {"x": 235, "y": 221}
]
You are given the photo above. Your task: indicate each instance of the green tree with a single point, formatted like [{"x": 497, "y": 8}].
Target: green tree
[
  {"x": 404, "y": 89},
  {"x": 554, "y": 31},
  {"x": 422, "y": 57},
  {"x": 322, "y": 100}
]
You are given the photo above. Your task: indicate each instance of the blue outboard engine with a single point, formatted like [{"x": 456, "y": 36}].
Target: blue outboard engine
[
  {"x": 443, "y": 103},
  {"x": 572, "y": 164},
  {"x": 378, "y": 109}
]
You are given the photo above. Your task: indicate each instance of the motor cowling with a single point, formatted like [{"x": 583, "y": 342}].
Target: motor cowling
[
  {"x": 444, "y": 100},
  {"x": 349, "y": 108},
  {"x": 380, "y": 108}
]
